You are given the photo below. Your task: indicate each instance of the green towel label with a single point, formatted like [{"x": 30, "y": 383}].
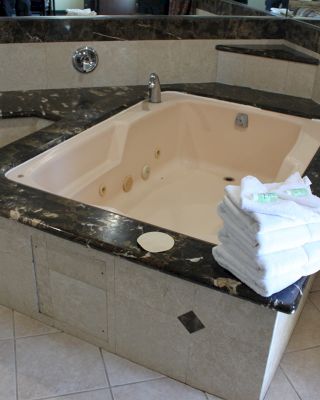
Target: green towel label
[
  {"x": 301, "y": 192},
  {"x": 265, "y": 197}
]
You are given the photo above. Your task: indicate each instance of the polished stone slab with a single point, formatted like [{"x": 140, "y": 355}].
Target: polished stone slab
[{"x": 278, "y": 52}]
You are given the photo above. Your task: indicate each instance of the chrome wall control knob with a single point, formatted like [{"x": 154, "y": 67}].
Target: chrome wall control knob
[{"x": 85, "y": 59}]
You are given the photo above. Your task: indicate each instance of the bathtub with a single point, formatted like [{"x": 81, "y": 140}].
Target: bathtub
[{"x": 167, "y": 164}]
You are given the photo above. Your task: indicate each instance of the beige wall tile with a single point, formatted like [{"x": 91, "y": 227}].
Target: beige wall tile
[
  {"x": 231, "y": 68},
  {"x": 153, "y": 289},
  {"x": 79, "y": 304},
  {"x": 178, "y": 61},
  {"x": 265, "y": 74},
  {"x": 17, "y": 284},
  {"x": 118, "y": 64},
  {"x": 151, "y": 338},
  {"x": 23, "y": 66},
  {"x": 300, "y": 79},
  {"x": 233, "y": 347}
]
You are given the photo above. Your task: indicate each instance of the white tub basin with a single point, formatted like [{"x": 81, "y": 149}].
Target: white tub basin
[
  {"x": 12, "y": 129},
  {"x": 191, "y": 146}
]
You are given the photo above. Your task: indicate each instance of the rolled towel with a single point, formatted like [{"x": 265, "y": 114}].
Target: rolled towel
[
  {"x": 264, "y": 287},
  {"x": 273, "y": 241},
  {"x": 283, "y": 206}
]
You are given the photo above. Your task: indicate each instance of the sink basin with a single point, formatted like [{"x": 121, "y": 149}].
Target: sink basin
[
  {"x": 168, "y": 163},
  {"x": 12, "y": 129}
]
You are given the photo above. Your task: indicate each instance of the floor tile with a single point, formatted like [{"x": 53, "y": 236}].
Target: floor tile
[
  {"x": 307, "y": 331},
  {"x": 211, "y": 397},
  {"x": 57, "y": 364},
  {"x": 101, "y": 394},
  {"x": 302, "y": 368},
  {"x": 7, "y": 371},
  {"x": 122, "y": 371},
  {"x": 281, "y": 388},
  {"x": 6, "y": 325},
  {"x": 25, "y": 326},
  {"x": 157, "y": 390},
  {"x": 315, "y": 299},
  {"x": 316, "y": 283}
]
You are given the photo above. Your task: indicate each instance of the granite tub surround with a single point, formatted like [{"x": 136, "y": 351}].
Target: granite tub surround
[
  {"x": 279, "y": 52},
  {"x": 220, "y": 344},
  {"x": 79, "y": 268},
  {"x": 60, "y": 29},
  {"x": 77, "y": 109}
]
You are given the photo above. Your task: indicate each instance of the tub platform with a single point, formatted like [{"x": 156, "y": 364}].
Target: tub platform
[{"x": 78, "y": 267}]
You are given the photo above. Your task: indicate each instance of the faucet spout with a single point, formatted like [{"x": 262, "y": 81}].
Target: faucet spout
[{"x": 154, "y": 89}]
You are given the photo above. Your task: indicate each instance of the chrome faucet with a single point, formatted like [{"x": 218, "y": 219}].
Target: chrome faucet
[{"x": 154, "y": 89}]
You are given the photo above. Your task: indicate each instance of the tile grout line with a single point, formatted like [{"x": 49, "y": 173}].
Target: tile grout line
[
  {"x": 70, "y": 394},
  {"x": 106, "y": 372},
  {"x": 291, "y": 384},
  {"x": 39, "y": 334},
  {"x": 304, "y": 349},
  {"x": 148, "y": 380},
  {"x": 309, "y": 298},
  {"x": 15, "y": 353}
]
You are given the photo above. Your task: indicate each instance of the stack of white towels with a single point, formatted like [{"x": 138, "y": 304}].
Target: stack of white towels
[{"x": 271, "y": 233}]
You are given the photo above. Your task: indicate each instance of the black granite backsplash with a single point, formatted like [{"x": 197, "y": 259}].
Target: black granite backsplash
[
  {"x": 59, "y": 29},
  {"x": 74, "y": 110},
  {"x": 279, "y": 52}
]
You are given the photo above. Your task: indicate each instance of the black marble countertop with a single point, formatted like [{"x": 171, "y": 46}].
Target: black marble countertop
[
  {"x": 73, "y": 111},
  {"x": 279, "y": 52}
]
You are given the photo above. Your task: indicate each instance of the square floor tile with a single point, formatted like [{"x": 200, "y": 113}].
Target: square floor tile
[
  {"x": 122, "y": 371},
  {"x": 281, "y": 388},
  {"x": 57, "y": 364},
  {"x": 6, "y": 323},
  {"x": 25, "y": 326},
  {"x": 315, "y": 299},
  {"x": 316, "y": 283},
  {"x": 7, "y": 371},
  {"x": 159, "y": 389},
  {"x": 100, "y": 394},
  {"x": 307, "y": 331},
  {"x": 303, "y": 370}
]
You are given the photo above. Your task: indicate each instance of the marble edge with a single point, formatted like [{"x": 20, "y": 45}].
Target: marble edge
[{"x": 274, "y": 52}]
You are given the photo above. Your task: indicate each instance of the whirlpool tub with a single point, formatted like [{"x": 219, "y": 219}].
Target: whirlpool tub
[{"x": 167, "y": 164}]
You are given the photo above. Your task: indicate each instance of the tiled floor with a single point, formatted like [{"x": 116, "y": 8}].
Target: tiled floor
[{"x": 39, "y": 362}]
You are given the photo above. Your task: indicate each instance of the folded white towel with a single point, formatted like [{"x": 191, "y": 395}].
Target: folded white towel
[
  {"x": 283, "y": 207},
  {"x": 265, "y": 287},
  {"x": 253, "y": 221},
  {"x": 273, "y": 241},
  {"x": 269, "y": 265}
]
